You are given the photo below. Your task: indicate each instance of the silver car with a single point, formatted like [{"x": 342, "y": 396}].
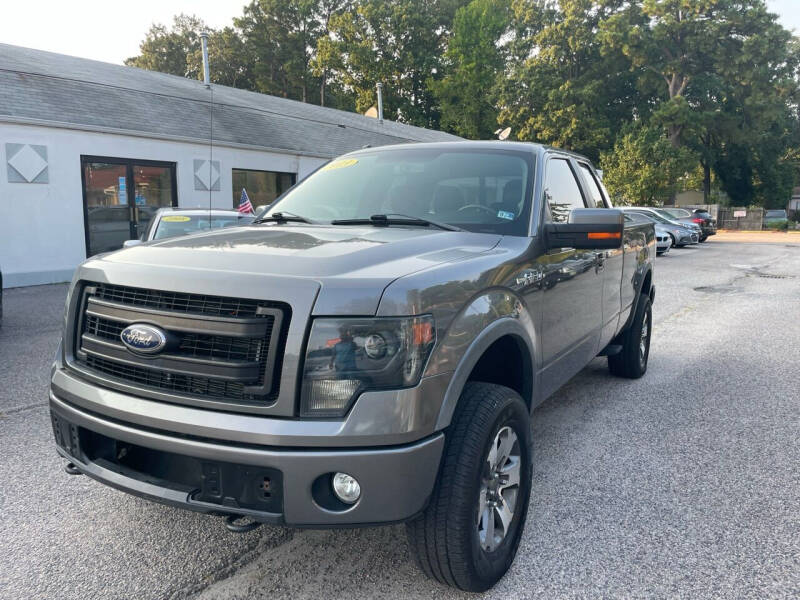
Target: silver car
[
  {"x": 663, "y": 237},
  {"x": 172, "y": 222},
  {"x": 681, "y": 234}
]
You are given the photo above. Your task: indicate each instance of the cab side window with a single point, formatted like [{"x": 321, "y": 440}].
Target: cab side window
[
  {"x": 562, "y": 190},
  {"x": 594, "y": 187}
]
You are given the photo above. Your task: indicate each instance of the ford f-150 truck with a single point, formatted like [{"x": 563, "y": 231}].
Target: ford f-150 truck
[{"x": 369, "y": 351}]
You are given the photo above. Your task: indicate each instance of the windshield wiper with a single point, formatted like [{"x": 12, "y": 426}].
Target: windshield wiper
[
  {"x": 283, "y": 217},
  {"x": 396, "y": 219}
]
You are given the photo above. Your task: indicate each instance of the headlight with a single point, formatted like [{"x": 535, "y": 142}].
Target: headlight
[{"x": 346, "y": 356}]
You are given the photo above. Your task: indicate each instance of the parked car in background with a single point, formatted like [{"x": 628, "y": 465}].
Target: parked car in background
[
  {"x": 709, "y": 223},
  {"x": 775, "y": 217},
  {"x": 172, "y": 222},
  {"x": 688, "y": 223},
  {"x": 681, "y": 234},
  {"x": 699, "y": 217},
  {"x": 663, "y": 237}
]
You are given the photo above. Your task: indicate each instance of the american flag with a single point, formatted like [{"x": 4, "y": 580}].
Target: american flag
[{"x": 244, "y": 204}]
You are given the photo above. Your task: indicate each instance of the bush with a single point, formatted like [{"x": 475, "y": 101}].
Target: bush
[{"x": 782, "y": 225}]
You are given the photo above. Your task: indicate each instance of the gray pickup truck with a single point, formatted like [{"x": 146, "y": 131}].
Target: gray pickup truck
[{"x": 369, "y": 351}]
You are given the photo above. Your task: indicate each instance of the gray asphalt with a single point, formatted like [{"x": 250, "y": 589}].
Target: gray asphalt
[{"x": 685, "y": 483}]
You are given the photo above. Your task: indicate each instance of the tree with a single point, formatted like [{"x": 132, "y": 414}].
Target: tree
[
  {"x": 169, "y": 50},
  {"x": 559, "y": 88},
  {"x": 474, "y": 58},
  {"x": 644, "y": 167},
  {"x": 399, "y": 43},
  {"x": 281, "y": 35},
  {"x": 230, "y": 60}
]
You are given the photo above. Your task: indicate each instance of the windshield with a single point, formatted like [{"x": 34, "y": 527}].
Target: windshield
[
  {"x": 677, "y": 212},
  {"x": 174, "y": 225},
  {"x": 483, "y": 190}
]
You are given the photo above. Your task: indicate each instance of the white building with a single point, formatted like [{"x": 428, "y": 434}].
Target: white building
[{"x": 90, "y": 150}]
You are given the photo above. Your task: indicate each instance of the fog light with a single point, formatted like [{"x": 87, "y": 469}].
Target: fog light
[{"x": 346, "y": 488}]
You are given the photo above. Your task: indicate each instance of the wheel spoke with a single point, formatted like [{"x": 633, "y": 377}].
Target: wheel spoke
[
  {"x": 492, "y": 458},
  {"x": 488, "y": 527},
  {"x": 507, "y": 439},
  {"x": 504, "y": 512},
  {"x": 481, "y": 505},
  {"x": 510, "y": 473}
]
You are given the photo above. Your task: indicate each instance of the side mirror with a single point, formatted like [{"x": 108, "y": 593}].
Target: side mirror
[
  {"x": 587, "y": 229},
  {"x": 131, "y": 243}
]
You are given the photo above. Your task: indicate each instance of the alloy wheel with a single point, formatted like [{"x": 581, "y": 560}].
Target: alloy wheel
[
  {"x": 499, "y": 489},
  {"x": 643, "y": 338}
]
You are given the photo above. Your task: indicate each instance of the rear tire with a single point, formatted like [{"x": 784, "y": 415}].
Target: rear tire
[
  {"x": 631, "y": 362},
  {"x": 468, "y": 535}
]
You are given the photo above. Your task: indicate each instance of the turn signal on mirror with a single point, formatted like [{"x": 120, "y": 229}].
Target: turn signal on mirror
[{"x": 604, "y": 236}]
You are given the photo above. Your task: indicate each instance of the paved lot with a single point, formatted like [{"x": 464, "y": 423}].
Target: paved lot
[{"x": 684, "y": 483}]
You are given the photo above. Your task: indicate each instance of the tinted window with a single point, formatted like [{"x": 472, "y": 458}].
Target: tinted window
[
  {"x": 262, "y": 187},
  {"x": 594, "y": 188},
  {"x": 481, "y": 190},
  {"x": 562, "y": 190}
]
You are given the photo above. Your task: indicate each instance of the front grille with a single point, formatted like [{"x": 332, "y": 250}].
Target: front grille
[
  {"x": 224, "y": 350},
  {"x": 181, "y": 384},
  {"x": 200, "y": 304},
  {"x": 193, "y": 344}
]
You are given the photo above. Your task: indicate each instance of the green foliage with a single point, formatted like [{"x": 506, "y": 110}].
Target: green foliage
[
  {"x": 474, "y": 58},
  {"x": 644, "y": 167},
  {"x": 168, "y": 49},
  {"x": 716, "y": 79},
  {"x": 399, "y": 43},
  {"x": 559, "y": 88}
]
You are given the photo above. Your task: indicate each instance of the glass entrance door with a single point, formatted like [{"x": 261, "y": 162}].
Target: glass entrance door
[
  {"x": 153, "y": 187},
  {"x": 120, "y": 198}
]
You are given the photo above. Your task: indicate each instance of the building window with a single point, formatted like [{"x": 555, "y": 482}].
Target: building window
[{"x": 262, "y": 186}]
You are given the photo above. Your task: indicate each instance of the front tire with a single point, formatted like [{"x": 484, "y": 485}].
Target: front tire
[
  {"x": 631, "y": 362},
  {"x": 468, "y": 535}
]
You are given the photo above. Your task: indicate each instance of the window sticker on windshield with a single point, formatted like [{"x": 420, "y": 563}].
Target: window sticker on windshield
[
  {"x": 340, "y": 164},
  {"x": 176, "y": 218},
  {"x": 504, "y": 214}
]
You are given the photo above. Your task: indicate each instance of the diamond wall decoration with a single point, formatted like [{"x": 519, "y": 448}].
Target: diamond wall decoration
[
  {"x": 27, "y": 163},
  {"x": 206, "y": 177}
]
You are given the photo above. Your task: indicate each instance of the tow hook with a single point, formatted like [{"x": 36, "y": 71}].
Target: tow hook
[
  {"x": 232, "y": 525},
  {"x": 71, "y": 469}
]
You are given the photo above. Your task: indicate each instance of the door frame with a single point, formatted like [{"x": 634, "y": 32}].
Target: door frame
[{"x": 129, "y": 185}]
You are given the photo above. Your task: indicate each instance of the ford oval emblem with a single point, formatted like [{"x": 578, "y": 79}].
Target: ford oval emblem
[{"x": 144, "y": 339}]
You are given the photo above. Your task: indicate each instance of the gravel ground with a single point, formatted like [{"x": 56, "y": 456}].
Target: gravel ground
[{"x": 682, "y": 484}]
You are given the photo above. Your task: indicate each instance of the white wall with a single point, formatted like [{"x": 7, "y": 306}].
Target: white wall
[{"x": 42, "y": 236}]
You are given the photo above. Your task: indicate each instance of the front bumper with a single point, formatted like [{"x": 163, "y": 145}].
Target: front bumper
[{"x": 210, "y": 476}]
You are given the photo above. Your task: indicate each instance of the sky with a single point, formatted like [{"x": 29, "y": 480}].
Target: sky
[{"x": 111, "y": 30}]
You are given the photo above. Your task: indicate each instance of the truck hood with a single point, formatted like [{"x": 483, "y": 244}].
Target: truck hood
[{"x": 351, "y": 264}]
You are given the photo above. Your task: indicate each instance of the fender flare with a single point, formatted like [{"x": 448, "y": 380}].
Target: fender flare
[
  {"x": 494, "y": 331},
  {"x": 639, "y": 286}
]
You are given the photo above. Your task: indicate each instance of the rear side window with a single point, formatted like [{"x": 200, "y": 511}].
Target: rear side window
[
  {"x": 562, "y": 190},
  {"x": 594, "y": 188}
]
